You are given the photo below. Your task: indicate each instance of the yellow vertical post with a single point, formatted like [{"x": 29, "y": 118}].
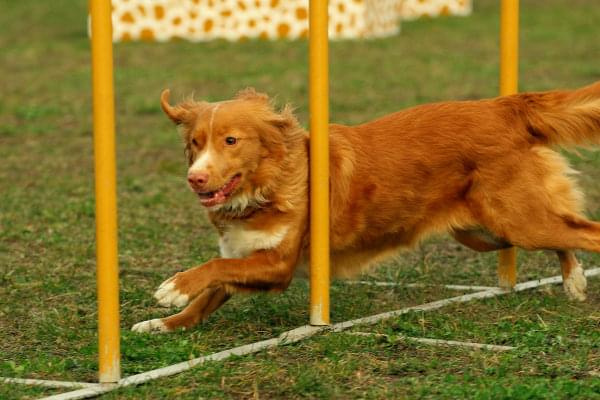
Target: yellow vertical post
[
  {"x": 509, "y": 47},
  {"x": 509, "y": 74},
  {"x": 107, "y": 269},
  {"x": 319, "y": 161}
]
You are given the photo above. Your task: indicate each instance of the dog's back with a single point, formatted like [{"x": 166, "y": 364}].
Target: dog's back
[{"x": 460, "y": 165}]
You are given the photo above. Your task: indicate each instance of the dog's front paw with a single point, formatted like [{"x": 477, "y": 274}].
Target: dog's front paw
[
  {"x": 576, "y": 284},
  {"x": 168, "y": 294},
  {"x": 150, "y": 326}
]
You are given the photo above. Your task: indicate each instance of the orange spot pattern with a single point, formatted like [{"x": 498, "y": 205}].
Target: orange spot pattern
[
  {"x": 201, "y": 20},
  {"x": 413, "y": 9}
]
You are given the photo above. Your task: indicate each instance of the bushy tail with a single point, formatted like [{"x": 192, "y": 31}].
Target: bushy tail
[{"x": 564, "y": 118}]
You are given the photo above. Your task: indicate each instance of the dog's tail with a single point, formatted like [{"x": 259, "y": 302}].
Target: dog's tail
[{"x": 563, "y": 118}]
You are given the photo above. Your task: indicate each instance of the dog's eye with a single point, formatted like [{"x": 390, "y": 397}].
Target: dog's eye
[
  {"x": 230, "y": 140},
  {"x": 194, "y": 142}
]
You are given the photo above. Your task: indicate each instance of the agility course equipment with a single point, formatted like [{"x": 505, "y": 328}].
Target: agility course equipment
[
  {"x": 509, "y": 74},
  {"x": 108, "y": 303},
  {"x": 234, "y": 20},
  {"x": 292, "y": 336},
  {"x": 319, "y": 163},
  {"x": 106, "y": 193},
  {"x": 413, "y": 9}
]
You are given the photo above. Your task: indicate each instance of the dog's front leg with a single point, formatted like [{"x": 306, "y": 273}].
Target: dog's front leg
[
  {"x": 198, "y": 310},
  {"x": 263, "y": 270}
]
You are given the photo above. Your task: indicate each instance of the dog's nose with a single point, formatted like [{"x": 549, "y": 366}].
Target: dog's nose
[{"x": 197, "y": 179}]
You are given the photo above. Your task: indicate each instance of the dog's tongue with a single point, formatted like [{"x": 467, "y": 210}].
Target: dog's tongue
[
  {"x": 228, "y": 188},
  {"x": 217, "y": 198},
  {"x": 220, "y": 196}
]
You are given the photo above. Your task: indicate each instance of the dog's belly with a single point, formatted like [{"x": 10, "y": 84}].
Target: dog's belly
[
  {"x": 480, "y": 239},
  {"x": 348, "y": 263}
]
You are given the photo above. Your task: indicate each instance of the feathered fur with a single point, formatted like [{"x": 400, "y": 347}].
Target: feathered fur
[{"x": 485, "y": 171}]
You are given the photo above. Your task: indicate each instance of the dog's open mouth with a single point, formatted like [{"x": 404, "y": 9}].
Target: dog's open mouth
[{"x": 220, "y": 196}]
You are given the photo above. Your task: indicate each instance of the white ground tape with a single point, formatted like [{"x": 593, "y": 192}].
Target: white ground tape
[
  {"x": 436, "y": 342},
  {"x": 47, "y": 383},
  {"x": 493, "y": 292},
  {"x": 298, "y": 334},
  {"x": 288, "y": 337},
  {"x": 373, "y": 319},
  {"x": 419, "y": 285},
  {"x": 86, "y": 393}
]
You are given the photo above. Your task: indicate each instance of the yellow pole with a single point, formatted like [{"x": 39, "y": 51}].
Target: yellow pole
[
  {"x": 107, "y": 268},
  {"x": 319, "y": 162},
  {"x": 509, "y": 74},
  {"x": 509, "y": 47}
]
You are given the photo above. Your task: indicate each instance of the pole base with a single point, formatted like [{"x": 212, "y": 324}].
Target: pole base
[{"x": 507, "y": 268}]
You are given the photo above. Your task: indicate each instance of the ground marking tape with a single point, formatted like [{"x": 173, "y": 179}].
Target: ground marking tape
[
  {"x": 296, "y": 335},
  {"x": 48, "y": 383},
  {"x": 419, "y": 285},
  {"x": 435, "y": 342}
]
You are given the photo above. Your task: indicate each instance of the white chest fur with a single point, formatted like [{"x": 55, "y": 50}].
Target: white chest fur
[{"x": 238, "y": 242}]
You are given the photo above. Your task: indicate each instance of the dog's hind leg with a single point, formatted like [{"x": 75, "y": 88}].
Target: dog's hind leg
[
  {"x": 537, "y": 206},
  {"x": 198, "y": 310},
  {"x": 574, "y": 281},
  {"x": 563, "y": 234},
  {"x": 549, "y": 231}
]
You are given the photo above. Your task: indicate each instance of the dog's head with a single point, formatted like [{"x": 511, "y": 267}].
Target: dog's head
[{"x": 235, "y": 148}]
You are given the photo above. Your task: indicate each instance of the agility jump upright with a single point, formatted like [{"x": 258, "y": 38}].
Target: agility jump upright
[{"x": 107, "y": 263}]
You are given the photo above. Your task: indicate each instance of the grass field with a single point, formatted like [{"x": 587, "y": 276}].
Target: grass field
[{"x": 47, "y": 262}]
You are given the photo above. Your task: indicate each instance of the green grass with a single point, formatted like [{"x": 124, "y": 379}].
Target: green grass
[{"x": 47, "y": 265}]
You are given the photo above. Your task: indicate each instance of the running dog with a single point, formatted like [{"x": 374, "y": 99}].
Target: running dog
[{"x": 486, "y": 171}]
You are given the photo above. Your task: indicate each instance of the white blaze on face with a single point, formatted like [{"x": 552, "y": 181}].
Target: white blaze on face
[
  {"x": 204, "y": 160},
  {"x": 207, "y": 156}
]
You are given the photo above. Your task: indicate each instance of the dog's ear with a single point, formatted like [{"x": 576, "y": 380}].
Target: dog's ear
[
  {"x": 284, "y": 119},
  {"x": 181, "y": 113}
]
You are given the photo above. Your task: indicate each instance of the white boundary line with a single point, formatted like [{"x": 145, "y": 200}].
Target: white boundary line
[
  {"x": 298, "y": 334},
  {"x": 493, "y": 292},
  {"x": 288, "y": 337},
  {"x": 419, "y": 285},
  {"x": 48, "y": 383},
  {"x": 435, "y": 342}
]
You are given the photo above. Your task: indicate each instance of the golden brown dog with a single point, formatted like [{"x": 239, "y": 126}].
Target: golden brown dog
[{"x": 484, "y": 171}]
